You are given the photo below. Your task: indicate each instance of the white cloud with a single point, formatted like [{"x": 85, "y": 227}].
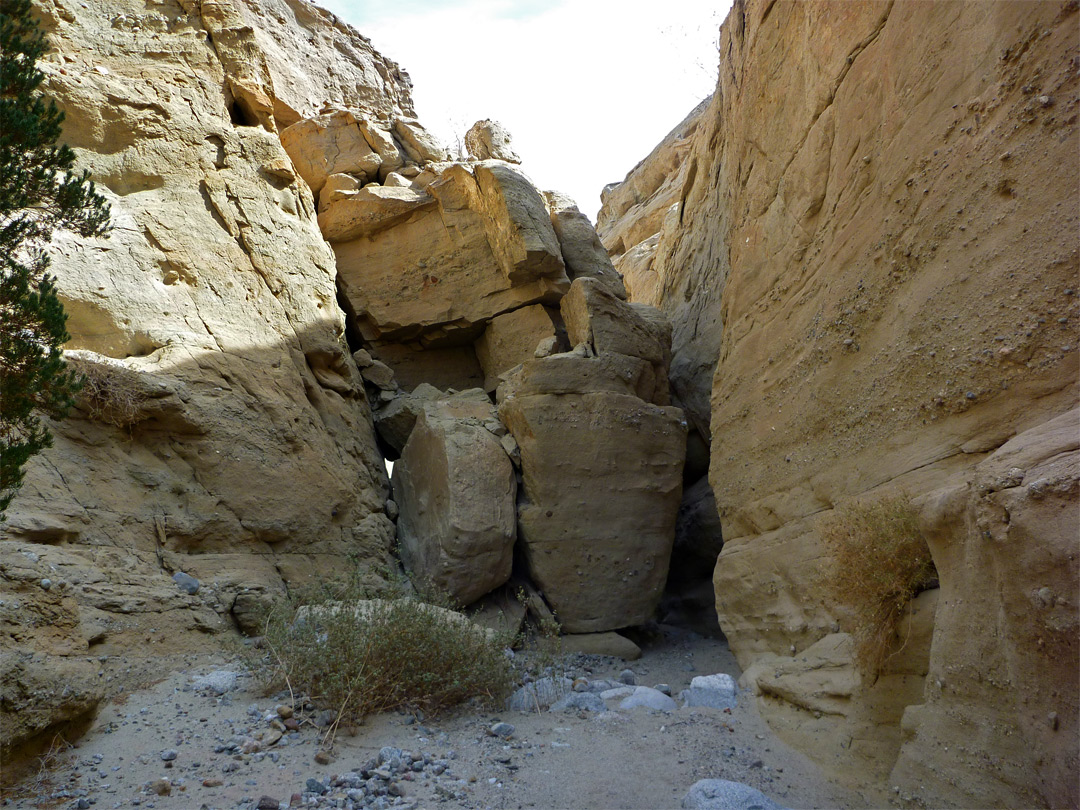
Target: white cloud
[{"x": 586, "y": 87}]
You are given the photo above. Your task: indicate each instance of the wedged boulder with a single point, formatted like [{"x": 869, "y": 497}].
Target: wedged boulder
[
  {"x": 328, "y": 144},
  {"x": 520, "y": 229},
  {"x": 578, "y": 373},
  {"x": 602, "y": 478},
  {"x": 347, "y": 211},
  {"x": 511, "y": 339},
  {"x": 485, "y": 247},
  {"x": 594, "y": 315},
  {"x": 455, "y": 488},
  {"x": 419, "y": 144},
  {"x": 490, "y": 140},
  {"x": 584, "y": 255},
  {"x": 394, "y": 421},
  {"x": 601, "y": 644}
]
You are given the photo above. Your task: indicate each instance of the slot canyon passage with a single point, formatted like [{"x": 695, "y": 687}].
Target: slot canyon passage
[{"x": 829, "y": 323}]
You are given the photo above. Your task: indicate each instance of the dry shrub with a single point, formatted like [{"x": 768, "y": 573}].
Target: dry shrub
[
  {"x": 110, "y": 393},
  {"x": 880, "y": 561},
  {"x": 398, "y": 653}
]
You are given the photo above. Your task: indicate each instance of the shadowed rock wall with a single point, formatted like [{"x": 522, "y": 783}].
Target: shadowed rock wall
[{"x": 874, "y": 254}]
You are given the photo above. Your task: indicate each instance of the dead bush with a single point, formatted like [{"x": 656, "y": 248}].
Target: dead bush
[
  {"x": 110, "y": 393},
  {"x": 880, "y": 561},
  {"x": 395, "y": 653}
]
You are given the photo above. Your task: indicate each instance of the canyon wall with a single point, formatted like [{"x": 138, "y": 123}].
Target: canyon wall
[
  {"x": 224, "y": 432},
  {"x": 869, "y": 256}
]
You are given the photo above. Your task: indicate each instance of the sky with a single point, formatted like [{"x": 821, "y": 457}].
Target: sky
[{"x": 586, "y": 87}]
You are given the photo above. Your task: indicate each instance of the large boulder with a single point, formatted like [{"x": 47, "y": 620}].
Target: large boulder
[
  {"x": 582, "y": 251},
  {"x": 330, "y": 144},
  {"x": 489, "y": 140},
  {"x": 602, "y": 479},
  {"x": 511, "y": 339},
  {"x": 455, "y": 489},
  {"x": 486, "y": 246}
]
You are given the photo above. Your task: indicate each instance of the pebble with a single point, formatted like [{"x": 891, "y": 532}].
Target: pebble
[
  {"x": 720, "y": 794},
  {"x": 187, "y": 583},
  {"x": 46, "y": 584},
  {"x": 284, "y": 712},
  {"x": 268, "y": 803},
  {"x": 162, "y": 787},
  {"x": 315, "y": 786},
  {"x": 627, "y": 676},
  {"x": 323, "y": 757},
  {"x": 647, "y": 698},
  {"x": 580, "y": 701},
  {"x": 504, "y": 730},
  {"x": 212, "y": 782},
  {"x": 168, "y": 755}
]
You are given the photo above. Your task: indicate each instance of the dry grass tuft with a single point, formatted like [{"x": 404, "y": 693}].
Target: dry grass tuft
[
  {"x": 397, "y": 653},
  {"x": 110, "y": 393},
  {"x": 880, "y": 561}
]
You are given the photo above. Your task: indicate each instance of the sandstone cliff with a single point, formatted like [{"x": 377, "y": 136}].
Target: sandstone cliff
[
  {"x": 225, "y": 434},
  {"x": 872, "y": 245}
]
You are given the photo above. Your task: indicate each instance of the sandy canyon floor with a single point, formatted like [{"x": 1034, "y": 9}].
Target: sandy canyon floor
[{"x": 168, "y": 746}]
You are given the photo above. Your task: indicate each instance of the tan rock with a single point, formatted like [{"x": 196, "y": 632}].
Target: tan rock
[
  {"x": 456, "y": 491},
  {"x": 511, "y": 339},
  {"x": 581, "y": 249},
  {"x": 487, "y": 247},
  {"x": 602, "y": 476},
  {"x": 445, "y": 368},
  {"x": 394, "y": 421},
  {"x": 213, "y": 304},
  {"x": 330, "y": 144},
  {"x": 595, "y": 316},
  {"x": 419, "y": 144},
  {"x": 489, "y": 140},
  {"x": 569, "y": 373},
  {"x": 636, "y": 267},
  {"x": 520, "y": 229},
  {"x": 349, "y": 213},
  {"x": 601, "y": 644},
  {"x": 817, "y": 294}
]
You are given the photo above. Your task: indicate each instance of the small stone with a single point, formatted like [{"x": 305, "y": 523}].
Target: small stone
[
  {"x": 647, "y": 698},
  {"x": 504, "y": 730},
  {"x": 720, "y": 794},
  {"x": 284, "y": 712},
  {"x": 315, "y": 786},
  {"x": 663, "y": 689},
  {"x": 296, "y": 800},
  {"x": 162, "y": 787},
  {"x": 627, "y": 676},
  {"x": 212, "y": 782},
  {"x": 268, "y": 803},
  {"x": 1046, "y": 101},
  {"x": 580, "y": 701},
  {"x": 392, "y": 509},
  {"x": 970, "y": 395},
  {"x": 168, "y": 755},
  {"x": 323, "y": 757},
  {"x": 187, "y": 583},
  {"x": 46, "y": 584},
  {"x": 1052, "y": 718},
  {"x": 396, "y": 789}
]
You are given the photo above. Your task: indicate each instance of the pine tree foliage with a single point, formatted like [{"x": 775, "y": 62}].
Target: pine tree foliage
[{"x": 39, "y": 193}]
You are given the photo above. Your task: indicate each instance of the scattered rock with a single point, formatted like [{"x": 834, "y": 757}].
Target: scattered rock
[
  {"x": 645, "y": 697},
  {"x": 720, "y": 794},
  {"x": 715, "y": 691},
  {"x": 627, "y": 676},
  {"x": 609, "y": 643},
  {"x": 504, "y": 730},
  {"x": 219, "y": 682},
  {"x": 187, "y": 583},
  {"x": 580, "y": 701}
]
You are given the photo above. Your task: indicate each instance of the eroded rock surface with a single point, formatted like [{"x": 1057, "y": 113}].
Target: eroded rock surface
[
  {"x": 456, "y": 491},
  {"x": 897, "y": 300},
  {"x": 208, "y": 321}
]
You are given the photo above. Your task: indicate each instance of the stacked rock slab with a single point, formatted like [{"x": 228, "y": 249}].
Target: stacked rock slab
[
  {"x": 226, "y": 435},
  {"x": 601, "y": 465},
  {"x": 456, "y": 491},
  {"x": 478, "y": 243},
  {"x": 895, "y": 266}
]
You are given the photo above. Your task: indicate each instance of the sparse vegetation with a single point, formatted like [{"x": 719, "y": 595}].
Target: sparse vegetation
[
  {"x": 393, "y": 653},
  {"x": 110, "y": 393},
  {"x": 880, "y": 561}
]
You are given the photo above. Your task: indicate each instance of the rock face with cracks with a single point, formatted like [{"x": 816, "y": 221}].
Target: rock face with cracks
[
  {"x": 208, "y": 319},
  {"x": 866, "y": 251}
]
